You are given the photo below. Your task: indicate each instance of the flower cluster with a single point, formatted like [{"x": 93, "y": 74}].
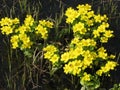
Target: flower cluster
[
  {"x": 7, "y": 25},
  {"x": 25, "y": 35},
  {"x": 51, "y": 53},
  {"x": 85, "y": 57}
]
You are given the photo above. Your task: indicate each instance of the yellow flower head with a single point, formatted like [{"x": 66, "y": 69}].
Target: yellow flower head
[
  {"x": 71, "y": 15},
  {"x": 22, "y": 29},
  {"x": 6, "y": 30},
  {"x": 54, "y": 58},
  {"x": 50, "y": 48},
  {"x": 15, "y": 21},
  {"x": 102, "y": 53},
  {"x": 46, "y": 23},
  {"x": 42, "y": 30},
  {"x": 85, "y": 78},
  {"x": 65, "y": 57},
  {"x": 26, "y": 43},
  {"x": 110, "y": 65},
  {"x": 79, "y": 27},
  {"x": 6, "y": 21},
  {"x": 83, "y": 9},
  {"x": 99, "y": 18},
  {"x": 14, "y": 40},
  {"x": 73, "y": 67},
  {"x": 29, "y": 20}
]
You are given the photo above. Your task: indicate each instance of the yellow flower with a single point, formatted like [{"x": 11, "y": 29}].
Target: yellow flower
[
  {"x": 71, "y": 15},
  {"x": 112, "y": 56},
  {"x": 50, "y": 48},
  {"x": 50, "y": 51},
  {"x": 87, "y": 61},
  {"x": 83, "y": 9},
  {"x": 14, "y": 40},
  {"x": 96, "y": 33},
  {"x": 79, "y": 27},
  {"x": 99, "y": 18},
  {"x": 101, "y": 28},
  {"x": 75, "y": 53},
  {"x": 22, "y": 29},
  {"x": 46, "y": 23},
  {"x": 48, "y": 55},
  {"x": 26, "y": 43},
  {"x": 104, "y": 39},
  {"x": 108, "y": 34},
  {"x": 110, "y": 65},
  {"x": 6, "y": 21},
  {"x": 90, "y": 14},
  {"x": 29, "y": 20},
  {"x": 99, "y": 72},
  {"x": 41, "y": 30},
  {"x": 54, "y": 58},
  {"x": 15, "y": 21},
  {"x": 67, "y": 68},
  {"x": 102, "y": 53},
  {"x": 6, "y": 30},
  {"x": 88, "y": 42},
  {"x": 65, "y": 57},
  {"x": 86, "y": 77},
  {"x": 73, "y": 67},
  {"x": 88, "y": 58},
  {"x": 22, "y": 36},
  {"x": 90, "y": 22},
  {"x": 75, "y": 40}
]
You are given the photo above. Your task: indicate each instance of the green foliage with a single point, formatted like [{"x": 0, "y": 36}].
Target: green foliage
[{"x": 115, "y": 87}]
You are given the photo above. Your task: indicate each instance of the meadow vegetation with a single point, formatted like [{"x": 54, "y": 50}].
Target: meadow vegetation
[{"x": 59, "y": 45}]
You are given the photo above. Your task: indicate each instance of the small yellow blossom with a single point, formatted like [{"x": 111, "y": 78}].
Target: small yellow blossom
[
  {"x": 99, "y": 18},
  {"x": 108, "y": 34},
  {"x": 71, "y": 15},
  {"x": 85, "y": 78},
  {"x": 50, "y": 48},
  {"x": 6, "y": 30},
  {"x": 112, "y": 56},
  {"x": 42, "y": 30},
  {"x": 102, "y": 53},
  {"x": 75, "y": 53},
  {"x": 65, "y": 57},
  {"x": 15, "y": 21},
  {"x": 79, "y": 27},
  {"x": 48, "y": 55},
  {"x": 73, "y": 67},
  {"x": 54, "y": 58},
  {"x": 104, "y": 39},
  {"x": 83, "y": 9},
  {"x": 51, "y": 53},
  {"x": 29, "y": 20},
  {"x": 6, "y": 21},
  {"x": 110, "y": 65},
  {"x": 26, "y": 43},
  {"x": 75, "y": 40},
  {"x": 96, "y": 33},
  {"x": 88, "y": 42},
  {"x": 99, "y": 72},
  {"x": 46, "y": 23},
  {"x": 14, "y": 40},
  {"x": 22, "y": 29}
]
